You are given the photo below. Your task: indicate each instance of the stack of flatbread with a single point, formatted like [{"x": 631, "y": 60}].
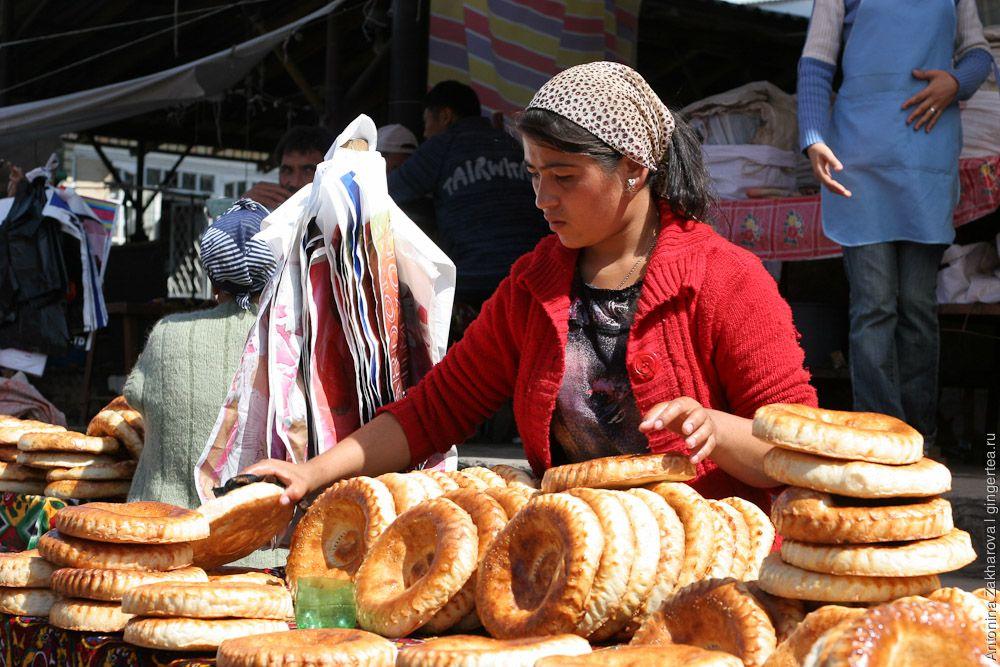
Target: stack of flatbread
[
  {"x": 52, "y": 461},
  {"x": 103, "y": 550},
  {"x": 24, "y": 584},
  {"x": 862, "y": 521}
]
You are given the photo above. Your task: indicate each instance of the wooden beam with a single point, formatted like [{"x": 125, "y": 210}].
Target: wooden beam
[{"x": 294, "y": 73}]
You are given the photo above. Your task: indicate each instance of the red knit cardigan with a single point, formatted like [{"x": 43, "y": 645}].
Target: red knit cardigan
[{"x": 709, "y": 324}]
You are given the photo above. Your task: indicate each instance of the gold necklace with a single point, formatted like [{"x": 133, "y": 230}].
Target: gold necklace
[{"x": 642, "y": 258}]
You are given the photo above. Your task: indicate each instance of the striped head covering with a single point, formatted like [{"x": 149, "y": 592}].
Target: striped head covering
[
  {"x": 235, "y": 261},
  {"x": 614, "y": 103}
]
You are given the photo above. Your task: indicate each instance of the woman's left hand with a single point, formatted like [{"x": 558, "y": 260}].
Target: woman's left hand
[
  {"x": 940, "y": 91},
  {"x": 686, "y": 417}
]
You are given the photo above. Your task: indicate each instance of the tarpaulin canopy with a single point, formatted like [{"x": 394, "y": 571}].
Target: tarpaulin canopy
[{"x": 197, "y": 80}]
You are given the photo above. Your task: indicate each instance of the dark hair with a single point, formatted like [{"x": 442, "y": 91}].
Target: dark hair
[
  {"x": 681, "y": 177},
  {"x": 304, "y": 139},
  {"x": 453, "y": 95}
]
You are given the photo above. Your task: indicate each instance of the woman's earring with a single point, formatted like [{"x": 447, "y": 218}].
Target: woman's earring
[{"x": 630, "y": 184}]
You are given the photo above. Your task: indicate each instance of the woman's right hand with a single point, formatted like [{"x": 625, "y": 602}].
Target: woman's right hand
[
  {"x": 824, "y": 162},
  {"x": 296, "y": 477}
]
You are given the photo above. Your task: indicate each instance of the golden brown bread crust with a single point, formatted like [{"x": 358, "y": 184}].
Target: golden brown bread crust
[
  {"x": 784, "y": 580},
  {"x": 62, "y": 459},
  {"x": 761, "y": 534},
  {"x": 951, "y": 551},
  {"x": 8, "y": 454},
  {"x": 855, "y": 436},
  {"x": 698, "y": 519},
  {"x": 793, "y": 649},
  {"x": 515, "y": 476},
  {"x": 12, "y": 432},
  {"x": 143, "y": 522},
  {"x": 406, "y": 491},
  {"x": 670, "y": 655},
  {"x": 814, "y": 516},
  {"x": 715, "y": 614},
  {"x": 512, "y": 498},
  {"x": 67, "y": 441},
  {"x": 119, "y": 470},
  {"x": 15, "y": 472},
  {"x": 208, "y": 599},
  {"x": 240, "y": 522},
  {"x": 67, "y": 551},
  {"x": 24, "y": 569},
  {"x": 26, "y": 601},
  {"x": 472, "y": 651},
  {"x": 34, "y": 488},
  {"x": 114, "y": 424},
  {"x": 330, "y": 647},
  {"x": 485, "y": 475},
  {"x": 671, "y": 556},
  {"x": 88, "y": 616},
  {"x": 612, "y": 577},
  {"x": 442, "y": 479},
  {"x": 111, "y": 585},
  {"x": 81, "y": 489},
  {"x": 912, "y": 631},
  {"x": 857, "y": 479},
  {"x": 414, "y": 567},
  {"x": 195, "y": 634},
  {"x": 339, "y": 527},
  {"x": 785, "y": 613},
  {"x": 619, "y": 472},
  {"x": 740, "y": 544},
  {"x": 538, "y": 572}
]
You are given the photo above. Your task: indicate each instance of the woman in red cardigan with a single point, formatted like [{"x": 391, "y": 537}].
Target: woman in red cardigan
[{"x": 633, "y": 328}]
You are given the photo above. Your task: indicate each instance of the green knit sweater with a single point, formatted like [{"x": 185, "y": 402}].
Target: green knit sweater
[{"x": 178, "y": 384}]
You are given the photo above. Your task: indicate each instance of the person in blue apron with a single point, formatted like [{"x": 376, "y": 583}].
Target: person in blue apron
[{"x": 886, "y": 152}]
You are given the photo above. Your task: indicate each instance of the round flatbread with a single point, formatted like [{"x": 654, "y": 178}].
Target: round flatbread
[
  {"x": 111, "y": 585},
  {"x": 11, "y": 433},
  {"x": 209, "y": 599},
  {"x": 66, "y": 441},
  {"x": 782, "y": 579},
  {"x": 793, "y": 650},
  {"x": 949, "y": 552},
  {"x": 28, "y": 488},
  {"x": 761, "y": 534},
  {"x": 15, "y": 472},
  {"x": 302, "y": 648},
  {"x": 88, "y": 616},
  {"x": 855, "y": 436},
  {"x": 143, "y": 522},
  {"x": 240, "y": 522},
  {"x": 472, "y": 651},
  {"x": 244, "y": 575},
  {"x": 62, "y": 459},
  {"x": 26, "y": 601},
  {"x": 340, "y": 526},
  {"x": 561, "y": 537},
  {"x": 119, "y": 470},
  {"x": 698, "y": 519},
  {"x": 817, "y": 517},
  {"x": 24, "y": 569},
  {"x": 719, "y": 615},
  {"x": 670, "y": 655},
  {"x": 741, "y": 538},
  {"x": 671, "y": 556},
  {"x": 515, "y": 476},
  {"x": 79, "y": 489},
  {"x": 195, "y": 634},
  {"x": 858, "y": 479},
  {"x": 415, "y": 567},
  {"x": 113, "y": 424},
  {"x": 619, "y": 472},
  {"x": 67, "y": 551}
]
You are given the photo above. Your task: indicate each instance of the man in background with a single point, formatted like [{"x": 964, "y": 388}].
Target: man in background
[
  {"x": 396, "y": 143},
  {"x": 299, "y": 151},
  {"x": 484, "y": 204}
]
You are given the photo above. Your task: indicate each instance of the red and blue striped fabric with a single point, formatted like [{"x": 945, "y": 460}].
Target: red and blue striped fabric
[{"x": 506, "y": 49}]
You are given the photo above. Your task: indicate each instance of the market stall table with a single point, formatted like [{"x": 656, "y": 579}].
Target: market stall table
[{"x": 791, "y": 228}]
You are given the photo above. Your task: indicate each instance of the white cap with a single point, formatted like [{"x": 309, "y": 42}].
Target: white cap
[{"x": 396, "y": 138}]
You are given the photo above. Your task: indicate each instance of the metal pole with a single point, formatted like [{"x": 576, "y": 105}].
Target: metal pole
[
  {"x": 408, "y": 62},
  {"x": 139, "y": 233}
]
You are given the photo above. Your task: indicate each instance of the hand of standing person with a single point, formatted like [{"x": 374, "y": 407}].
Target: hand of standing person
[
  {"x": 824, "y": 162},
  {"x": 940, "y": 91},
  {"x": 16, "y": 176},
  {"x": 270, "y": 195}
]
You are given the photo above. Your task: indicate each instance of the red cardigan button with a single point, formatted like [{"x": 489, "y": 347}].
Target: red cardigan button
[{"x": 645, "y": 365}]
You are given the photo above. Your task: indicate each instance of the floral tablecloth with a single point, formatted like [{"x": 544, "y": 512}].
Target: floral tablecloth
[
  {"x": 30, "y": 641},
  {"x": 24, "y": 518},
  {"x": 791, "y": 228}
]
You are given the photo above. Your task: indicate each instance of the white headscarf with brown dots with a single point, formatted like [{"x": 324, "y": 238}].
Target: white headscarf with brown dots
[{"x": 614, "y": 103}]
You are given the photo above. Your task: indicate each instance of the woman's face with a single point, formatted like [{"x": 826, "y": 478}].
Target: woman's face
[{"x": 583, "y": 203}]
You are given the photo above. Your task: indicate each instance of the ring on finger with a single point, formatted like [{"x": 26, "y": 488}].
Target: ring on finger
[{"x": 933, "y": 109}]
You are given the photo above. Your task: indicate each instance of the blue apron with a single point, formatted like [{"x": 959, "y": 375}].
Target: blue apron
[{"x": 904, "y": 183}]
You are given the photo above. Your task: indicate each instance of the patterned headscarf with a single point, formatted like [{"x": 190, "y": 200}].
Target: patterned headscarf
[
  {"x": 614, "y": 103},
  {"x": 234, "y": 261}
]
